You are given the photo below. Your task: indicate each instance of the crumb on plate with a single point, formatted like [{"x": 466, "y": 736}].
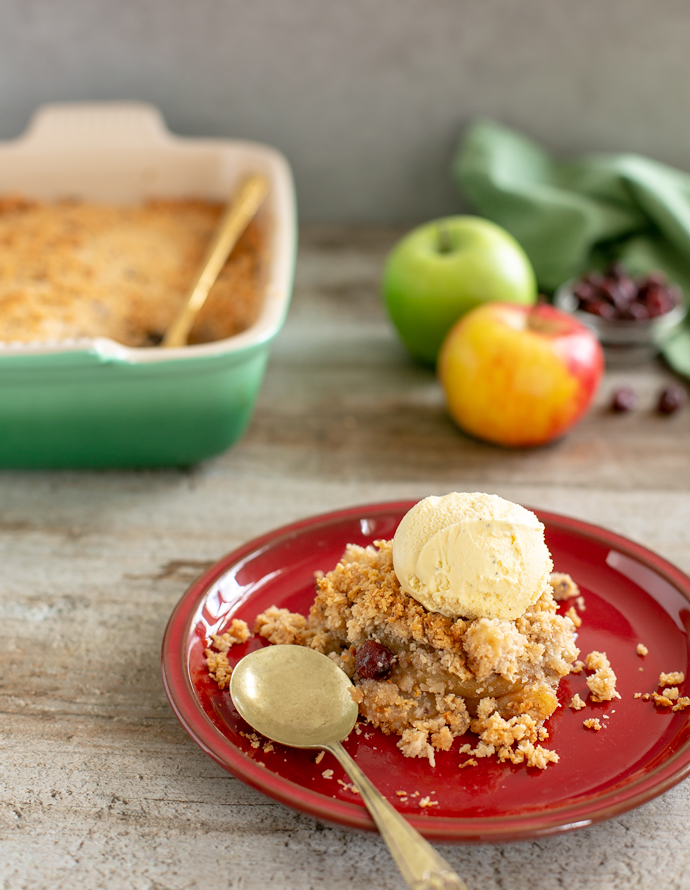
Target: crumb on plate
[
  {"x": 602, "y": 683},
  {"x": 673, "y": 678},
  {"x": 563, "y": 586},
  {"x": 576, "y": 703}
]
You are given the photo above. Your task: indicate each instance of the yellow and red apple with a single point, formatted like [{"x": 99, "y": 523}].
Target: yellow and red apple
[{"x": 519, "y": 375}]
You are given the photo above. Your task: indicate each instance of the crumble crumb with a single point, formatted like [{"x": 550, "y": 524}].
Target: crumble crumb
[
  {"x": 596, "y": 661},
  {"x": 577, "y": 668},
  {"x": 401, "y": 793},
  {"x": 319, "y": 757},
  {"x": 593, "y": 724},
  {"x": 637, "y": 695},
  {"x": 521, "y": 731},
  {"x": 576, "y": 703},
  {"x": 661, "y": 701},
  {"x": 348, "y": 786},
  {"x": 252, "y": 738},
  {"x": 672, "y": 692},
  {"x": 682, "y": 703},
  {"x": 574, "y": 617},
  {"x": 602, "y": 683},
  {"x": 671, "y": 679},
  {"x": 427, "y": 802},
  {"x": 327, "y": 774},
  {"x": 238, "y": 632},
  {"x": 218, "y": 667},
  {"x": 646, "y": 696},
  {"x": 563, "y": 586},
  {"x": 470, "y": 762},
  {"x": 642, "y": 649},
  {"x": 580, "y": 603},
  {"x": 280, "y": 626},
  {"x": 484, "y": 750},
  {"x": 413, "y": 743}
]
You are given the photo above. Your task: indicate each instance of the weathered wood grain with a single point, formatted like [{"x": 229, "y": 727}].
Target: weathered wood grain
[{"x": 100, "y": 786}]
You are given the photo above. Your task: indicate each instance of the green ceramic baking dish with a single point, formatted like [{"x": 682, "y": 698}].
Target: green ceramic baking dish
[{"x": 97, "y": 403}]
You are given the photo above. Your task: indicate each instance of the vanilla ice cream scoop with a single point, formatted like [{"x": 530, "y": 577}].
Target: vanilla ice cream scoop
[{"x": 472, "y": 556}]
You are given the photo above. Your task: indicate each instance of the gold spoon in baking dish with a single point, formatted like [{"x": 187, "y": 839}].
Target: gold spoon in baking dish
[
  {"x": 240, "y": 211},
  {"x": 299, "y": 697}
]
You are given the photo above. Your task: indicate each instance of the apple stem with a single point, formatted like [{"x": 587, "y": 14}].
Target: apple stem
[{"x": 445, "y": 240}]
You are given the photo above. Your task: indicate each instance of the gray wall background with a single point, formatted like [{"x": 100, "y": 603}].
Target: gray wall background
[{"x": 367, "y": 98}]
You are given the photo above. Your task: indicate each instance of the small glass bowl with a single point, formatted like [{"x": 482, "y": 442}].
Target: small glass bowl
[{"x": 625, "y": 342}]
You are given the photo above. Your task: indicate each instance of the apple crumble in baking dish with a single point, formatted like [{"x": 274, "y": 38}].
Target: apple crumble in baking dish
[{"x": 74, "y": 269}]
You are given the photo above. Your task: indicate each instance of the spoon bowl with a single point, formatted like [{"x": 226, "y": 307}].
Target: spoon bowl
[{"x": 294, "y": 696}]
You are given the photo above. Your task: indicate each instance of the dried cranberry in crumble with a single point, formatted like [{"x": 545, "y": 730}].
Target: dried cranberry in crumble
[{"x": 373, "y": 660}]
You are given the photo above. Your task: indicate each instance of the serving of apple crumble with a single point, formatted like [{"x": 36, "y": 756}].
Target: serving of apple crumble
[{"x": 429, "y": 678}]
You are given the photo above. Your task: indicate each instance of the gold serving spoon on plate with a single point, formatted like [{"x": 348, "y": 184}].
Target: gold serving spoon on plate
[
  {"x": 299, "y": 697},
  {"x": 240, "y": 211}
]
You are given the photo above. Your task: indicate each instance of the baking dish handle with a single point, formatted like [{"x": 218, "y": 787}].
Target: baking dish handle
[{"x": 95, "y": 124}]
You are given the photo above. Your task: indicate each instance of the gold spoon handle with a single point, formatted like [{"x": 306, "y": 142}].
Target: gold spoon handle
[
  {"x": 420, "y": 865},
  {"x": 235, "y": 220}
]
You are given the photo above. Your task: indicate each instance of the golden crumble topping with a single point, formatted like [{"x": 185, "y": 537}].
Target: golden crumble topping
[{"x": 71, "y": 269}]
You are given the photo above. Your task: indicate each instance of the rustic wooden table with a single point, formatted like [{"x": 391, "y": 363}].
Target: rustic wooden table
[{"x": 100, "y": 786}]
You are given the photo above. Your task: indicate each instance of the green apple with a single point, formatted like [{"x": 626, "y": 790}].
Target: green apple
[{"x": 443, "y": 269}]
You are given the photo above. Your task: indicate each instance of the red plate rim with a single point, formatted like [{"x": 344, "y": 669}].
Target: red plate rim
[{"x": 596, "y": 807}]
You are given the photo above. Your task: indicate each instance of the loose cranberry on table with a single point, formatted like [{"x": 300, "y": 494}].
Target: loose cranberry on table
[
  {"x": 671, "y": 399},
  {"x": 624, "y": 399},
  {"x": 373, "y": 660},
  {"x": 616, "y": 295}
]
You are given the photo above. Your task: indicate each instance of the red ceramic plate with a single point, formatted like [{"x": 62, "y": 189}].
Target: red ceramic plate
[{"x": 631, "y": 596}]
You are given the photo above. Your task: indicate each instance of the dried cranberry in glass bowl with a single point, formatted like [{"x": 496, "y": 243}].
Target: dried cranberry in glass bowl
[
  {"x": 630, "y": 316},
  {"x": 617, "y": 295}
]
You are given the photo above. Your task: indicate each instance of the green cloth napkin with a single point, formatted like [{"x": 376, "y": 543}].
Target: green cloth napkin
[{"x": 575, "y": 215}]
